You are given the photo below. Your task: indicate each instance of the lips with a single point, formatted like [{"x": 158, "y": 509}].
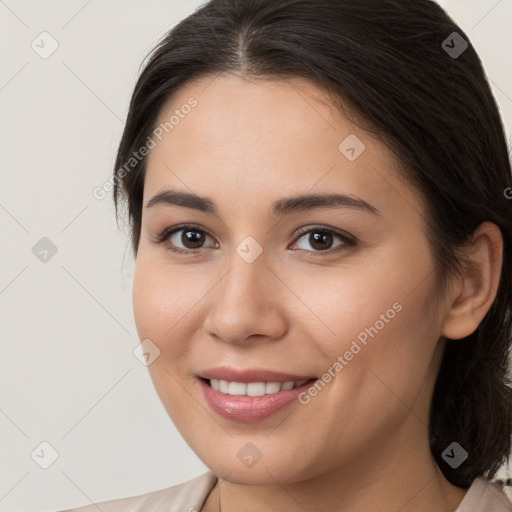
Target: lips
[{"x": 248, "y": 409}]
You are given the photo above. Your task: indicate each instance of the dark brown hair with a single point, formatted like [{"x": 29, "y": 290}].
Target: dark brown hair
[{"x": 387, "y": 60}]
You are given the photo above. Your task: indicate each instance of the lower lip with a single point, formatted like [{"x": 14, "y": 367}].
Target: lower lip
[{"x": 249, "y": 409}]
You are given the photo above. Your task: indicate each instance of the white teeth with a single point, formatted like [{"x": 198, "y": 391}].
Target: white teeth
[
  {"x": 272, "y": 387},
  {"x": 285, "y": 386},
  {"x": 253, "y": 388},
  {"x": 237, "y": 388},
  {"x": 223, "y": 386}
]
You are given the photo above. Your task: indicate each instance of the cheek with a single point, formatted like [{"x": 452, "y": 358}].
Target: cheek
[
  {"x": 161, "y": 310},
  {"x": 338, "y": 306},
  {"x": 397, "y": 349},
  {"x": 146, "y": 298},
  {"x": 382, "y": 370},
  {"x": 164, "y": 300},
  {"x": 382, "y": 325},
  {"x": 170, "y": 304}
]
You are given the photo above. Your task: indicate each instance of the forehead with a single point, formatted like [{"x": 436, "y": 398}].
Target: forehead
[
  {"x": 265, "y": 136},
  {"x": 268, "y": 110}
]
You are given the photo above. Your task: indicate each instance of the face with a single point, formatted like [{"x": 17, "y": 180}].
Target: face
[{"x": 339, "y": 292}]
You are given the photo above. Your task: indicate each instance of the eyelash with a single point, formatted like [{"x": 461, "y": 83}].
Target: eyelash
[{"x": 348, "y": 242}]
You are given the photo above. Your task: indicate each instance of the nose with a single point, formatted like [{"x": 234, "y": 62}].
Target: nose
[{"x": 247, "y": 303}]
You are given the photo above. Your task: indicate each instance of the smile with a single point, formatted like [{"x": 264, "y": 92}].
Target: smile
[
  {"x": 253, "y": 388},
  {"x": 249, "y": 402}
]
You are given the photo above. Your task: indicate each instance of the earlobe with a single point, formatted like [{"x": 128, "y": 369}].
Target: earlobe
[{"x": 477, "y": 288}]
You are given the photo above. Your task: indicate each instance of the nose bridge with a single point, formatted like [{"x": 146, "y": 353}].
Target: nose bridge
[
  {"x": 245, "y": 278},
  {"x": 244, "y": 302}
]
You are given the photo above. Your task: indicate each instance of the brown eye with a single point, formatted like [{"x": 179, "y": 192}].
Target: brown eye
[
  {"x": 191, "y": 239},
  {"x": 320, "y": 240},
  {"x": 183, "y": 239}
]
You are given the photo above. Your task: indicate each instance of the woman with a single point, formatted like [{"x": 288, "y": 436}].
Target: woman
[{"x": 317, "y": 193}]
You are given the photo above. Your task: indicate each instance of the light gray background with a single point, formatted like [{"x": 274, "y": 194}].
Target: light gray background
[{"x": 68, "y": 373}]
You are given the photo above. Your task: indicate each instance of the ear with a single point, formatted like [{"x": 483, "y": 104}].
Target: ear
[{"x": 474, "y": 292}]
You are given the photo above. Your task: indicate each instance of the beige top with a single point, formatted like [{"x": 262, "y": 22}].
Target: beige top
[{"x": 191, "y": 495}]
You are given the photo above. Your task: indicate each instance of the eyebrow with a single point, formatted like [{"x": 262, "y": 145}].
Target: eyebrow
[{"x": 284, "y": 206}]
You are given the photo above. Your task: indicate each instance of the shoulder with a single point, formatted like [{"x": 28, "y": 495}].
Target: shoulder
[
  {"x": 188, "y": 496},
  {"x": 485, "y": 496}
]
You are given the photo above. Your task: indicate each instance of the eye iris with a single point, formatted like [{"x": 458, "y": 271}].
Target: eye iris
[
  {"x": 192, "y": 237},
  {"x": 319, "y": 236}
]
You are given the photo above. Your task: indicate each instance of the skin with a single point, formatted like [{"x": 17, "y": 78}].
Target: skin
[{"x": 362, "y": 442}]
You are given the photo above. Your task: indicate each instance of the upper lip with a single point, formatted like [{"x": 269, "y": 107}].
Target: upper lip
[{"x": 251, "y": 375}]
